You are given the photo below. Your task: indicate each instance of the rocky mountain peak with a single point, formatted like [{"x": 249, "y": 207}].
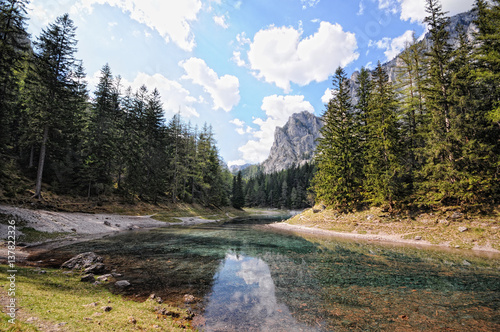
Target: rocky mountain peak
[{"x": 294, "y": 143}]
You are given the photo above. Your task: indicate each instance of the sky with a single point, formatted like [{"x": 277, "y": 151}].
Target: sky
[{"x": 243, "y": 66}]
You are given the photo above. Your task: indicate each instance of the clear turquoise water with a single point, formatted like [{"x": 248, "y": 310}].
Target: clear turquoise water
[{"x": 248, "y": 277}]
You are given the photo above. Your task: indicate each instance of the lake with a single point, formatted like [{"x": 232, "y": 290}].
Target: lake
[{"x": 246, "y": 276}]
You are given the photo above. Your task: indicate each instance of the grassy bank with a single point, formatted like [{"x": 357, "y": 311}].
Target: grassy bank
[
  {"x": 446, "y": 227},
  {"x": 54, "y": 299}
]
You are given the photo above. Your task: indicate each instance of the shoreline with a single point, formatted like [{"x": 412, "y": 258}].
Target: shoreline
[
  {"x": 374, "y": 238},
  {"x": 75, "y": 227}
]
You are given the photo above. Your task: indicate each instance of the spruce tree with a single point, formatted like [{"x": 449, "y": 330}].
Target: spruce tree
[
  {"x": 238, "y": 199},
  {"x": 338, "y": 155},
  {"x": 54, "y": 86},
  {"x": 384, "y": 175},
  {"x": 14, "y": 44}
]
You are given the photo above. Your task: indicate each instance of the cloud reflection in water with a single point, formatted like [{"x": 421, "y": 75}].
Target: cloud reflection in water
[{"x": 243, "y": 298}]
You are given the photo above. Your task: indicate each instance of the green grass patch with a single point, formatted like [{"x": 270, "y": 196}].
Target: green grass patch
[
  {"x": 31, "y": 235},
  {"x": 56, "y": 298}
]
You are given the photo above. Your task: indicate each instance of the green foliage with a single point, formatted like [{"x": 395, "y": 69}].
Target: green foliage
[
  {"x": 286, "y": 189},
  {"x": 115, "y": 144},
  {"x": 338, "y": 154},
  {"x": 238, "y": 198}
]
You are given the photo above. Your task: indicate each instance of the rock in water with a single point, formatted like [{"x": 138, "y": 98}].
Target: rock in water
[
  {"x": 122, "y": 283},
  {"x": 82, "y": 261}
]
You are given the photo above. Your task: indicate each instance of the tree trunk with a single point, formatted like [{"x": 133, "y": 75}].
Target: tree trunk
[{"x": 41, "y": 162}]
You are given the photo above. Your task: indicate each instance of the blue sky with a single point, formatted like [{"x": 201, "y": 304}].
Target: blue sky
[{"x": 243, "y": 66}]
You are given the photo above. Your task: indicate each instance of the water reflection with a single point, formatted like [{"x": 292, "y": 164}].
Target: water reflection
[
  {"x": 244, "y": 295},
  {"x": 250, "y": 278}
]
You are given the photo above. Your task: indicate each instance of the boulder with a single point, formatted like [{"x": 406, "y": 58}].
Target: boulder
[
  {"x": 122, "y": 283},
  {"x": 82, "y": 261},
  {"x": 189, "y": 299},
  {"x": 97, "y": 268},
  {"x": 88, "y": 278},
  {"x": 462, "y": 229}
]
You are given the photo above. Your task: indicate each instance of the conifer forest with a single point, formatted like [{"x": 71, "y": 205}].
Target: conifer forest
[{"x": 428, "y": 139}]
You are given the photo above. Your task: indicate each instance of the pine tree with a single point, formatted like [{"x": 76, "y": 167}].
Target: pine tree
[
  {"x": 54, "y": 88},
  {"x": 338, "y": 155},
  {"x": 14, "y": 45},
  {"x": 384, "y": 184},
  {"x": 411, "y": 76},
  {"x": 238, "y": 200}
]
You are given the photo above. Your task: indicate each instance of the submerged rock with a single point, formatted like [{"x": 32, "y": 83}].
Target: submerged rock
[
  {"x": 82, "y": 261},
  {"x": 122, "y": 283}
]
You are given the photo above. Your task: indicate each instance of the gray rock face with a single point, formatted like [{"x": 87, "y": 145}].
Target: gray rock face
[{"x": 294, "y": 143}]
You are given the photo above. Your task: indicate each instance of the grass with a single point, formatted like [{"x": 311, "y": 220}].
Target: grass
[
  {"x": 438, "y": 227},
  {"x": 55, "y": 298}
]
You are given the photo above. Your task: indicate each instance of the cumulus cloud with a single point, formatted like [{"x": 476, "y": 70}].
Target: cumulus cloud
[
  {"x": 173, "y": 95},
  {"x": 221, "y": 21},
  {"x": 170, "y": 18},
  {"x": 278, "y": 109},
  {"x": 279, "y": 55},
  {"x": 394, "y": 46},
  {"x": 327, "y": 96},
  {"x": 414, "y": 11},
  {"x": 224, "y": 90}
]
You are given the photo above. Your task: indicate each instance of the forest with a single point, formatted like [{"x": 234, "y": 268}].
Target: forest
[
  {"x": 430, "y": 139},
  {"x": 114, "y": 141}
]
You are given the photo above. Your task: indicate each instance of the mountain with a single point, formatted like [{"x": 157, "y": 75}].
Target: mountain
[
  {"x": 294, "y": 143},
  {"x": 236, "y": 168}
]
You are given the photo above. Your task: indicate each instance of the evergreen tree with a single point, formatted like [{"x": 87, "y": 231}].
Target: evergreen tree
[
  {"x": 384, "y": 184},
  {"x": 14, "y": 45},
  {"x": 53, "y": 93},
  {"x": 101, "y": 150},
  {"x": 410, "y": 78},
  {"x": 338, "y": 155},
  {"x": 238, "y": 200}
]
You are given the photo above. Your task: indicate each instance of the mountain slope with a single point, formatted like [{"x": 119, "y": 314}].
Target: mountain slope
[{"x": 294, "y": 143}]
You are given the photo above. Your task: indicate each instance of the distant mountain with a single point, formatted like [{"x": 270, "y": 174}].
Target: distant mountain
[
  {"x": 236, "y": 168},
  {"x": 294, "y": 143}
]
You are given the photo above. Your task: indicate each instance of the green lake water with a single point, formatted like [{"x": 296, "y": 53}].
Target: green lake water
[{"x": 246, "y": 276}]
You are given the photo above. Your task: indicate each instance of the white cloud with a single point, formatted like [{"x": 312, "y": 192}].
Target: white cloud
[
  {"x": 221, "y": 20},
  {"x": 309, "y": 3},
  {"x": 173, "y": 95},
  {"x": 280, "y": 56},
  {"x": 238, "y": 60},
  {"x": 170, "y": 18},
  {"x": 361, "y": 10},
  {"x": 327, "y": 96},
  {"x": 278, "y": 109},
  {"x": 414, "y": 11},
  {"x": 394, "y": 46},
  {"x": 237, "y": 122},
  {"x": 224, "y": 90}
]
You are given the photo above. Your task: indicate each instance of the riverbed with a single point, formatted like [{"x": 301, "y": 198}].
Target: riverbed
[{"x": 245, "y": 276}]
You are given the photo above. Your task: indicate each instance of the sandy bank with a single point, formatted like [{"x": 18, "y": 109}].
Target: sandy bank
[
  {"x": 76, "y": 227},
  {"x": 381, "y": 238}
]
